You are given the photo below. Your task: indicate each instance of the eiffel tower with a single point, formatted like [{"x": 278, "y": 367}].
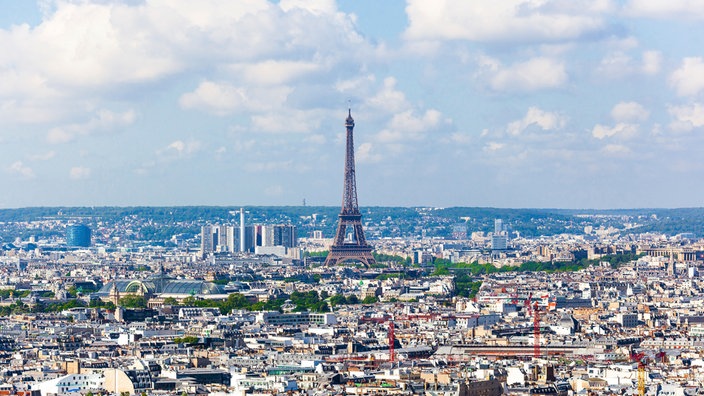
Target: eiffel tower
[{"x": 357, "y": 248}]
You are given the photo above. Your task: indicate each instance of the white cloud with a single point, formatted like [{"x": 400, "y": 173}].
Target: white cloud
[
  {"x": 620, "y": 130},
  {"x": 619, "y": 64},
  {"x": 83, "y": 52},
  {"x": 88, "y": 44},
  {"x": 547, "y": 121},
  {"x": 493, "y": 146},
  {"x": 389, "y": 99},
  {"x": 676, "y": 9},
  {"x": 220, "y": 152},
  {"x": 629, "y": 112},
  {"x": 179, "y": 149},
  {"x": 652, "y": 61},
  {"x": 223, "y": 99},
  {"x": 79, "y": 173},
  {"x": 687, "y": 117},
  {"x": 517, "y": 21},
  {"x": 616, "y": 150},
  {"x": 355, "y": 85},
  {"x": 314, "y": 6},
  {"x": 102, "y": 121},
  {"x": 460, "y": 138},
  {"x": 366, "y": 153},
  {"x": 407, "y": 126},
  {"x": 688, "y": 80},
  {"x": 627, "y": 116},
  {"x": 531, "y": 75},
  {"x": 274, "y": 72},
  {"x": 20, "y": 169},
  {"x": 43, "y": 156}
]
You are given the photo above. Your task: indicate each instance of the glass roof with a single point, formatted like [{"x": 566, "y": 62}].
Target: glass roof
[{"x": 170, "y": 286}]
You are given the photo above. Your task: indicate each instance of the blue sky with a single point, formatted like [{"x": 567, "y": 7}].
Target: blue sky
[{"x": 518, "y": 103}]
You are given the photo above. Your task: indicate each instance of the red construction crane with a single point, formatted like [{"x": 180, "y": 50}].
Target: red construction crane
[
  {"x": 392, "y": 341},
  {"x": 527, "y": 303},
  {"x": 640, "y": 358},
  {"x": 514, "y": 298},
  {"x": 536, "y": 330}
]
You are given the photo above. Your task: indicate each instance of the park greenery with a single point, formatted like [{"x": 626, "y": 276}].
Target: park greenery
[
  {"x": 466, "y": 284},
  {"x": 466, "y": 277},
  {"x": 19, "y": 307},
  {"x": 303, "y": 301},
  {"x": 445, "y": 267},
  {"x": 189, "y": 340},
  {"x": 132, "y": 301}
]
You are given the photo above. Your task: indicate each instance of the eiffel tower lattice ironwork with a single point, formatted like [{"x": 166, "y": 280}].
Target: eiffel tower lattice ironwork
[{"x": 356, "y": 248}]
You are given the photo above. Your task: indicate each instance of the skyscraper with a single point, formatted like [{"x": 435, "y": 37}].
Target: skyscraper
[
  {"x": 207, "y": 239},
  {"x": 498, "y": 226},
  {"x": 78, "y": 235}
]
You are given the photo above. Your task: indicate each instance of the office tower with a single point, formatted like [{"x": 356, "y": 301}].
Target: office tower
[
  {"x": 285, "y": 235},
  {"x": 498, "y": 226},
  {"x": 230, "y": 239},
  {"x": 78, "y": 235},
  {"x": 225, "y": 239},
  {"x": 207, "y": 240},
  {"x": 248, "y": 242},
  {"x": 265, "y": 236},
  {"x": 499, "y": 242},
  {"x": 242, "y": 231}
]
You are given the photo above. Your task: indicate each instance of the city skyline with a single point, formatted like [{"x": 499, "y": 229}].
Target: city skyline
[{"x": 535, "y": 104}]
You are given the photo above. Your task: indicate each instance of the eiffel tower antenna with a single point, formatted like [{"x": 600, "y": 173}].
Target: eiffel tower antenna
[{"x": 356, "y": 249}]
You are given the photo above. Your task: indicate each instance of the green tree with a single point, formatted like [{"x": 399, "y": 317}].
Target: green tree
[
  {"x": 338, "y": 299},
  {"x": 190, "y": 301},
  {"x": 131, "y": 301},
  {"x": 190, "y": 340},
  {"x": 369, "y": 300},
  {"x": 170, "y": 301},
  {"x": 97, "y": 303}
]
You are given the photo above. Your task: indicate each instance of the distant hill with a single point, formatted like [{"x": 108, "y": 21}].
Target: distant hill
[{"x": 160, "y": 223}]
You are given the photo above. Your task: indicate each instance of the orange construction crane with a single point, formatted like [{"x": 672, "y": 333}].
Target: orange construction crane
[{"x": 640, "y": 358}]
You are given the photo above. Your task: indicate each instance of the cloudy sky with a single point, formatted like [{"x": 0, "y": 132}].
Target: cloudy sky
[{"x": 512, "y": 103}]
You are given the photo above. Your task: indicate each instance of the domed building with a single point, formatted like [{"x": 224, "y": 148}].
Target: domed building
[{"x": 158, "y": 288}]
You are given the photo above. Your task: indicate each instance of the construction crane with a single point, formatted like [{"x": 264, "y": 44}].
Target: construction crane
[
  {"x": 392, "y": 342},
  {"x": 527, "y": 304},
  {"x": 536, "y": 330},
  {"x": 640, "y": 358}
]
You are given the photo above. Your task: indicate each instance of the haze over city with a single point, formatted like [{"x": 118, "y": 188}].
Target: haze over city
[{"x": 519, "y": 103}]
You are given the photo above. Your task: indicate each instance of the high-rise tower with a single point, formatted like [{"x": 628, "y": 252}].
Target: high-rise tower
[{"x": 356, "y": 247}]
